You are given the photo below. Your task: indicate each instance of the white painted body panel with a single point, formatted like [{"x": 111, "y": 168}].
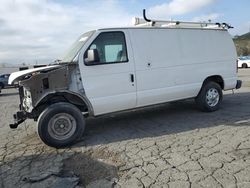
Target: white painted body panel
[
  {"x": 180, "y": 60},
  {"x": 168, "y": 64},
  {"x": 108, "y": 87}
]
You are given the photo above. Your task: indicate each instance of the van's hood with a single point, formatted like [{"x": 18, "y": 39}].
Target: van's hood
[{"x": 16, "y": 76}]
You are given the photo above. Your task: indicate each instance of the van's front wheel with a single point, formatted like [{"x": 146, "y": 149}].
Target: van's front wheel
[
  {"x": 60, "y": 124},
  {"x": 210, "y": 97}
]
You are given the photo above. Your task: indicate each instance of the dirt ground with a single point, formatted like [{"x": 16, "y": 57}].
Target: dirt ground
[{"x": 171, "y": 145}]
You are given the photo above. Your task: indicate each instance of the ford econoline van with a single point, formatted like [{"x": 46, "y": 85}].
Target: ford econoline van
[{"x": 116, "y": 69}]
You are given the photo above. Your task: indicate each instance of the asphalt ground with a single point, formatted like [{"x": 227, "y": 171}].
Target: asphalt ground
[{"x": 170, "y": 145}]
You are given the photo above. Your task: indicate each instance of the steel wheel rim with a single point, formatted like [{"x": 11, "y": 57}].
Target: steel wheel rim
[
  {"x": 62, "y": 126},
  {"x": 212, "y": 97}
]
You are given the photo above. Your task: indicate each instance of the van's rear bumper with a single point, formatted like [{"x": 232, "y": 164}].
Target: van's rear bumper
[{"x": 238, "y": 84}]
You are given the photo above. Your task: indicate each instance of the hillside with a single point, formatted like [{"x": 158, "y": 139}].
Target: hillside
[
  {"x": 245, "y": 36},
  {"x": 242, "y": 44}
]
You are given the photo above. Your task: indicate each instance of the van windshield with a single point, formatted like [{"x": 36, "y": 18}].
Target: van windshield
[{"x": 76, "y": 47}]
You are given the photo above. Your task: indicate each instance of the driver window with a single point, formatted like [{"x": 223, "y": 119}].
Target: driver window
[{"x": 110, "y": 47}]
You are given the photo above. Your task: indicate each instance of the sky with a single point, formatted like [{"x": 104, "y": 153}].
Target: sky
[{"x": 40, "y": 31}]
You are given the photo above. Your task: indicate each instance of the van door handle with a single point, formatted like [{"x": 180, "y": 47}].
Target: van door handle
[{"x": 132, "y": 79}]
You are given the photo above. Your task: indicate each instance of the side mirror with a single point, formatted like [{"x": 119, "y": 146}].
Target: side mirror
[{"x": 92, "y": 56}]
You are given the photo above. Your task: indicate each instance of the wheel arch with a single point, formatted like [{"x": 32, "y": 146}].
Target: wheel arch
[
  {"x": 215, "y": 78},
  {"x": 80, "y": 101},
  {"x": 245, "y": 64}
]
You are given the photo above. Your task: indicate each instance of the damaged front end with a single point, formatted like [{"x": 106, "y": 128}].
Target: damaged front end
[
  {"x": 36, "y": 84},
  {"x": 20, "y": 116}
]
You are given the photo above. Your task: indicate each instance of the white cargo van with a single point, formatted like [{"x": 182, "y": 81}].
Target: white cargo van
[{"x": 115, "y": 69}]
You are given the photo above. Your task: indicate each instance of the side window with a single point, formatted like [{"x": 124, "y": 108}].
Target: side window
[{"x": 108, "y": 47}]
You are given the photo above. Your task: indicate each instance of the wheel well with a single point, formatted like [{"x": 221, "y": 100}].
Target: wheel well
[
  {"x": 216, "y": 78},
  {"x": 60, "y": 97},
  {"x": 244, "y": 64}
]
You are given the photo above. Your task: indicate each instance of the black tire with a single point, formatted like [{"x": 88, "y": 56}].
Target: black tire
[
  {"x": 206, "y": 100},
  {"x": 52, "y": 119},
  {"x": 1, "y": 85},
  {"x": 244, "y": 65}
]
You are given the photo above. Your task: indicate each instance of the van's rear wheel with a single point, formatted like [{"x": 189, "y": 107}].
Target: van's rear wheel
[
  {"x": 60, "y": 125},
  {"x": 210, "y": 97}
]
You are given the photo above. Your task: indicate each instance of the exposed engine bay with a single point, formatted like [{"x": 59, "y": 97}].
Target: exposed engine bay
[{"x": 42, "y": 86}]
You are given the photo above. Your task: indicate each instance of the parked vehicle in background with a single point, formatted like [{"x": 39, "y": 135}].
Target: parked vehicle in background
[
  {"x": 4, "y": 81},
  {"x": 243, "y": 62},
  {"x": 115, "y": 69}
]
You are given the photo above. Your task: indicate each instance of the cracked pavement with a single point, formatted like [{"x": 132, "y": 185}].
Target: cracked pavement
[{"x": 171, "y": 145}]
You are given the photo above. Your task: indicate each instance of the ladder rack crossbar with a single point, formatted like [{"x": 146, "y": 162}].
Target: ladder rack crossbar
[{"x": 170, "y": 23}]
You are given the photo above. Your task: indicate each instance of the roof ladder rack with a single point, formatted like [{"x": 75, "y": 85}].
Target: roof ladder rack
[{"x": 180, "y": 24}]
